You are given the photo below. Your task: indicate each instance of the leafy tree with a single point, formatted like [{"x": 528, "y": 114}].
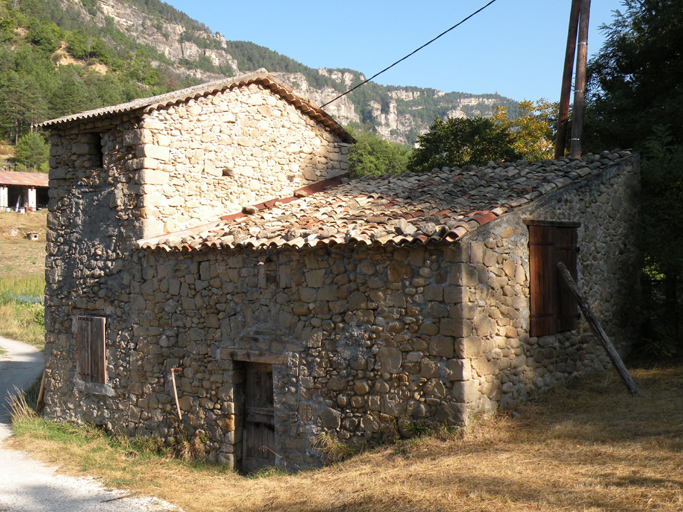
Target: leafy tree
[
  {"x": 85, "y": 47},
  {"x": 662, "y": 243},
  {"x": 635, "y": 100},
  {"x": 532, "y": 130},
  {"x": 7, "y": 26},
  {"x": 45, "y": 36},
  {"x": 70, "y": 94},
  {"x": 32, "y": 151},
  {"x": 459, "y": 141},
  {"x": 21, "y": 104},
  {"x": 373, "y": 156},
  {"x": 635, "y": 80}
]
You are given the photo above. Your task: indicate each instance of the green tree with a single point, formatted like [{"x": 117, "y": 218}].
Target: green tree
[
  {"x": 635, "y": 80},
  {"x": 45, "y": 36},
  {"x": 373, "y": 156},
  {"x": 22, "y": 104},
  {"x": 635, "y": 100},
  {"x": 70, "y": 95},
  {"x": 7, "y": 26},
  {"x": 32, "y": 152},
  {"x": 459, "y": 141}
]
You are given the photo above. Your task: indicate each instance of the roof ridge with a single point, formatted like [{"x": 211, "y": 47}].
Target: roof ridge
[{"x": 305, "y": 105}]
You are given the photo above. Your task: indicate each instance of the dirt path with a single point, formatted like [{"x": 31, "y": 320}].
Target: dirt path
[{"x": 28, "y": 485}]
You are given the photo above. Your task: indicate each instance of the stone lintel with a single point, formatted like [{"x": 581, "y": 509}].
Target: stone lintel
[{"x": 252, "y": 356}]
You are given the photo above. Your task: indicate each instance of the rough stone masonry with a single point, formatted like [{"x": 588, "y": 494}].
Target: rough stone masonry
[{"x": 380, "y": 304}]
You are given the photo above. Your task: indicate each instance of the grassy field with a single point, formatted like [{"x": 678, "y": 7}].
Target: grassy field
[
  {"x": 588, "y": 446},
  {"x": 22, "y": 276},
  {"x": 18, "y": 255}
]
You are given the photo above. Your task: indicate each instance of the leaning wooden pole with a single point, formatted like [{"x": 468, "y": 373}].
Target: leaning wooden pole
[
  {"x": 565, "y": 93},
  {"x": 580, "y": 87},
  {"x": 598, "y": 330}
]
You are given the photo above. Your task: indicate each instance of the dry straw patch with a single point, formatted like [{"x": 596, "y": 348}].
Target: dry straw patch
[
  {"x": 18, "y": 255},
  {"x": 584, "y": 447}
]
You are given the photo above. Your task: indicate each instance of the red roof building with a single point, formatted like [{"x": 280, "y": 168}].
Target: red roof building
[{"x": 27, "y": 190}]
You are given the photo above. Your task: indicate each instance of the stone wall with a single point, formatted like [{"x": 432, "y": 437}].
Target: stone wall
[
  {"x": 211, "y": 156},
  {"x": 372, "y": 340},
  {"x": 203, "y": 158},
  {"x": 507, "y": 364}
]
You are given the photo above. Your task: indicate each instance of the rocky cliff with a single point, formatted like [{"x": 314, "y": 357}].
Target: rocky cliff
[{"x": 397, "y": 114}]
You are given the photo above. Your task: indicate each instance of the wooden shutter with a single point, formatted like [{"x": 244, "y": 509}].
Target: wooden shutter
[
  {"x": 90, "y": 343},
  {"x": 543, "y": 280},
  {"x": 568, "y": 310}
]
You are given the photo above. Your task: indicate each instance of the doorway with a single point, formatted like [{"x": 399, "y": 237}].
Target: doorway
[{"x": 258, "y": 441}]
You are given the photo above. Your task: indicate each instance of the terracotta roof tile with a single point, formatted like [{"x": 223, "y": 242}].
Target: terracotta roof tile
[
  {"x": 30, "y": 179},
  {"x": 444, "y": 204}
]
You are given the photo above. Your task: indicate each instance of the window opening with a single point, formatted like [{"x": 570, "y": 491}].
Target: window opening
[
  {"x": 90, "y": 346},
  {"x": 553, "y": 309}
]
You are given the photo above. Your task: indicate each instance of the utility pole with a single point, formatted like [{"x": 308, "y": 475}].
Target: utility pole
[
  {"x": 580, "y": 85},
  {"x": 563, "y": 117},
  {"x": 578, "y": 19}
]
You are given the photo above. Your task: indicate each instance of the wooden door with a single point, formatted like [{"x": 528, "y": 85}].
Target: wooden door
[{"x": 259, "y": 417}]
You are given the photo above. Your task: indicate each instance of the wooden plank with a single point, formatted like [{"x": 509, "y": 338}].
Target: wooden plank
[
  {"x": 90, "y": 332},
  {"x": 598, "y": 330},
  {"x": 543, "y": 284},
  {"x": 253, "y": 356},
  {"x": 99, "y": 355},
  {"x": 259, "y": 417},
  {"x": 566, "y": 250}
]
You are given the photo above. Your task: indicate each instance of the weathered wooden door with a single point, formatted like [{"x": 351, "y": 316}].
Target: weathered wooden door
[{"x": 259, "y": 416}]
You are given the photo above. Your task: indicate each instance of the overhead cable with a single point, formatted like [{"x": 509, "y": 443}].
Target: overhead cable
[{"x": 410, "y": 54}]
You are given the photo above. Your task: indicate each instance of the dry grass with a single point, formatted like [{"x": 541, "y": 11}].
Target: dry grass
[
  {"x": 18, "y": 255},
  {"x": 584, "y": 447},
  {"x": 22, "y": 276},
  {"x": 23, "y": 322},
  {"x": 6, "y": 150}
]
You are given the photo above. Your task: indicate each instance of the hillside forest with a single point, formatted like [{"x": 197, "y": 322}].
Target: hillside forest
[{"x": 55, "y": 60}]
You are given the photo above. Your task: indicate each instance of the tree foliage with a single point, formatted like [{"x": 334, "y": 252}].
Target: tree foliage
[
  {"x": 459, "y": 141},
  {"x": 373, "y": 156},
  {"x": 532, "y": 130},
  {"x": 32, "y": 152},
  {"x": 635, "y": 80},
  {"x": 34, "y": 88},
  {"x": 635, "y": 100}
]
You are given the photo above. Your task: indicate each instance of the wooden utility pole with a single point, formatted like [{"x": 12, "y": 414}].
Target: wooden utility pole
[
  {"x": 580, "y": 86},
  {"x": 565, "y": 93}
]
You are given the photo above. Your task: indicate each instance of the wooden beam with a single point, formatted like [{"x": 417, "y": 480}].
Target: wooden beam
[{"x": 598, "y": 330}]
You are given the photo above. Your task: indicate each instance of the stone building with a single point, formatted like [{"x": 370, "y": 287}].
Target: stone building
[{"x": 318, "y": 306}]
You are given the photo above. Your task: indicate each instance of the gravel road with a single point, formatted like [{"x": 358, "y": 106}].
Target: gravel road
[{"x": 27, "y": 485}]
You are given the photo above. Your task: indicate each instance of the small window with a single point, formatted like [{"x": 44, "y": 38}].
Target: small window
[
  {"x": 553, "y": 308},
  {"x": 90, "y": 346}
]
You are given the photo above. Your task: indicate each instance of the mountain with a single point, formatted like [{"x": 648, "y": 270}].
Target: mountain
[{"x": 162, "y": 48}]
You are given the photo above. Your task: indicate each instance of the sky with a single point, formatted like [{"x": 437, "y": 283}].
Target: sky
[{"x": 513, "y": 47}]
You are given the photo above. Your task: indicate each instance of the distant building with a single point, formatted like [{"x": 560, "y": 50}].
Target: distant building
[{"x": 27, "y": 190}]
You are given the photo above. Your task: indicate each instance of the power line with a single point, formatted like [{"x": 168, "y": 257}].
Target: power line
[{"x": 410, "y": 54}]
